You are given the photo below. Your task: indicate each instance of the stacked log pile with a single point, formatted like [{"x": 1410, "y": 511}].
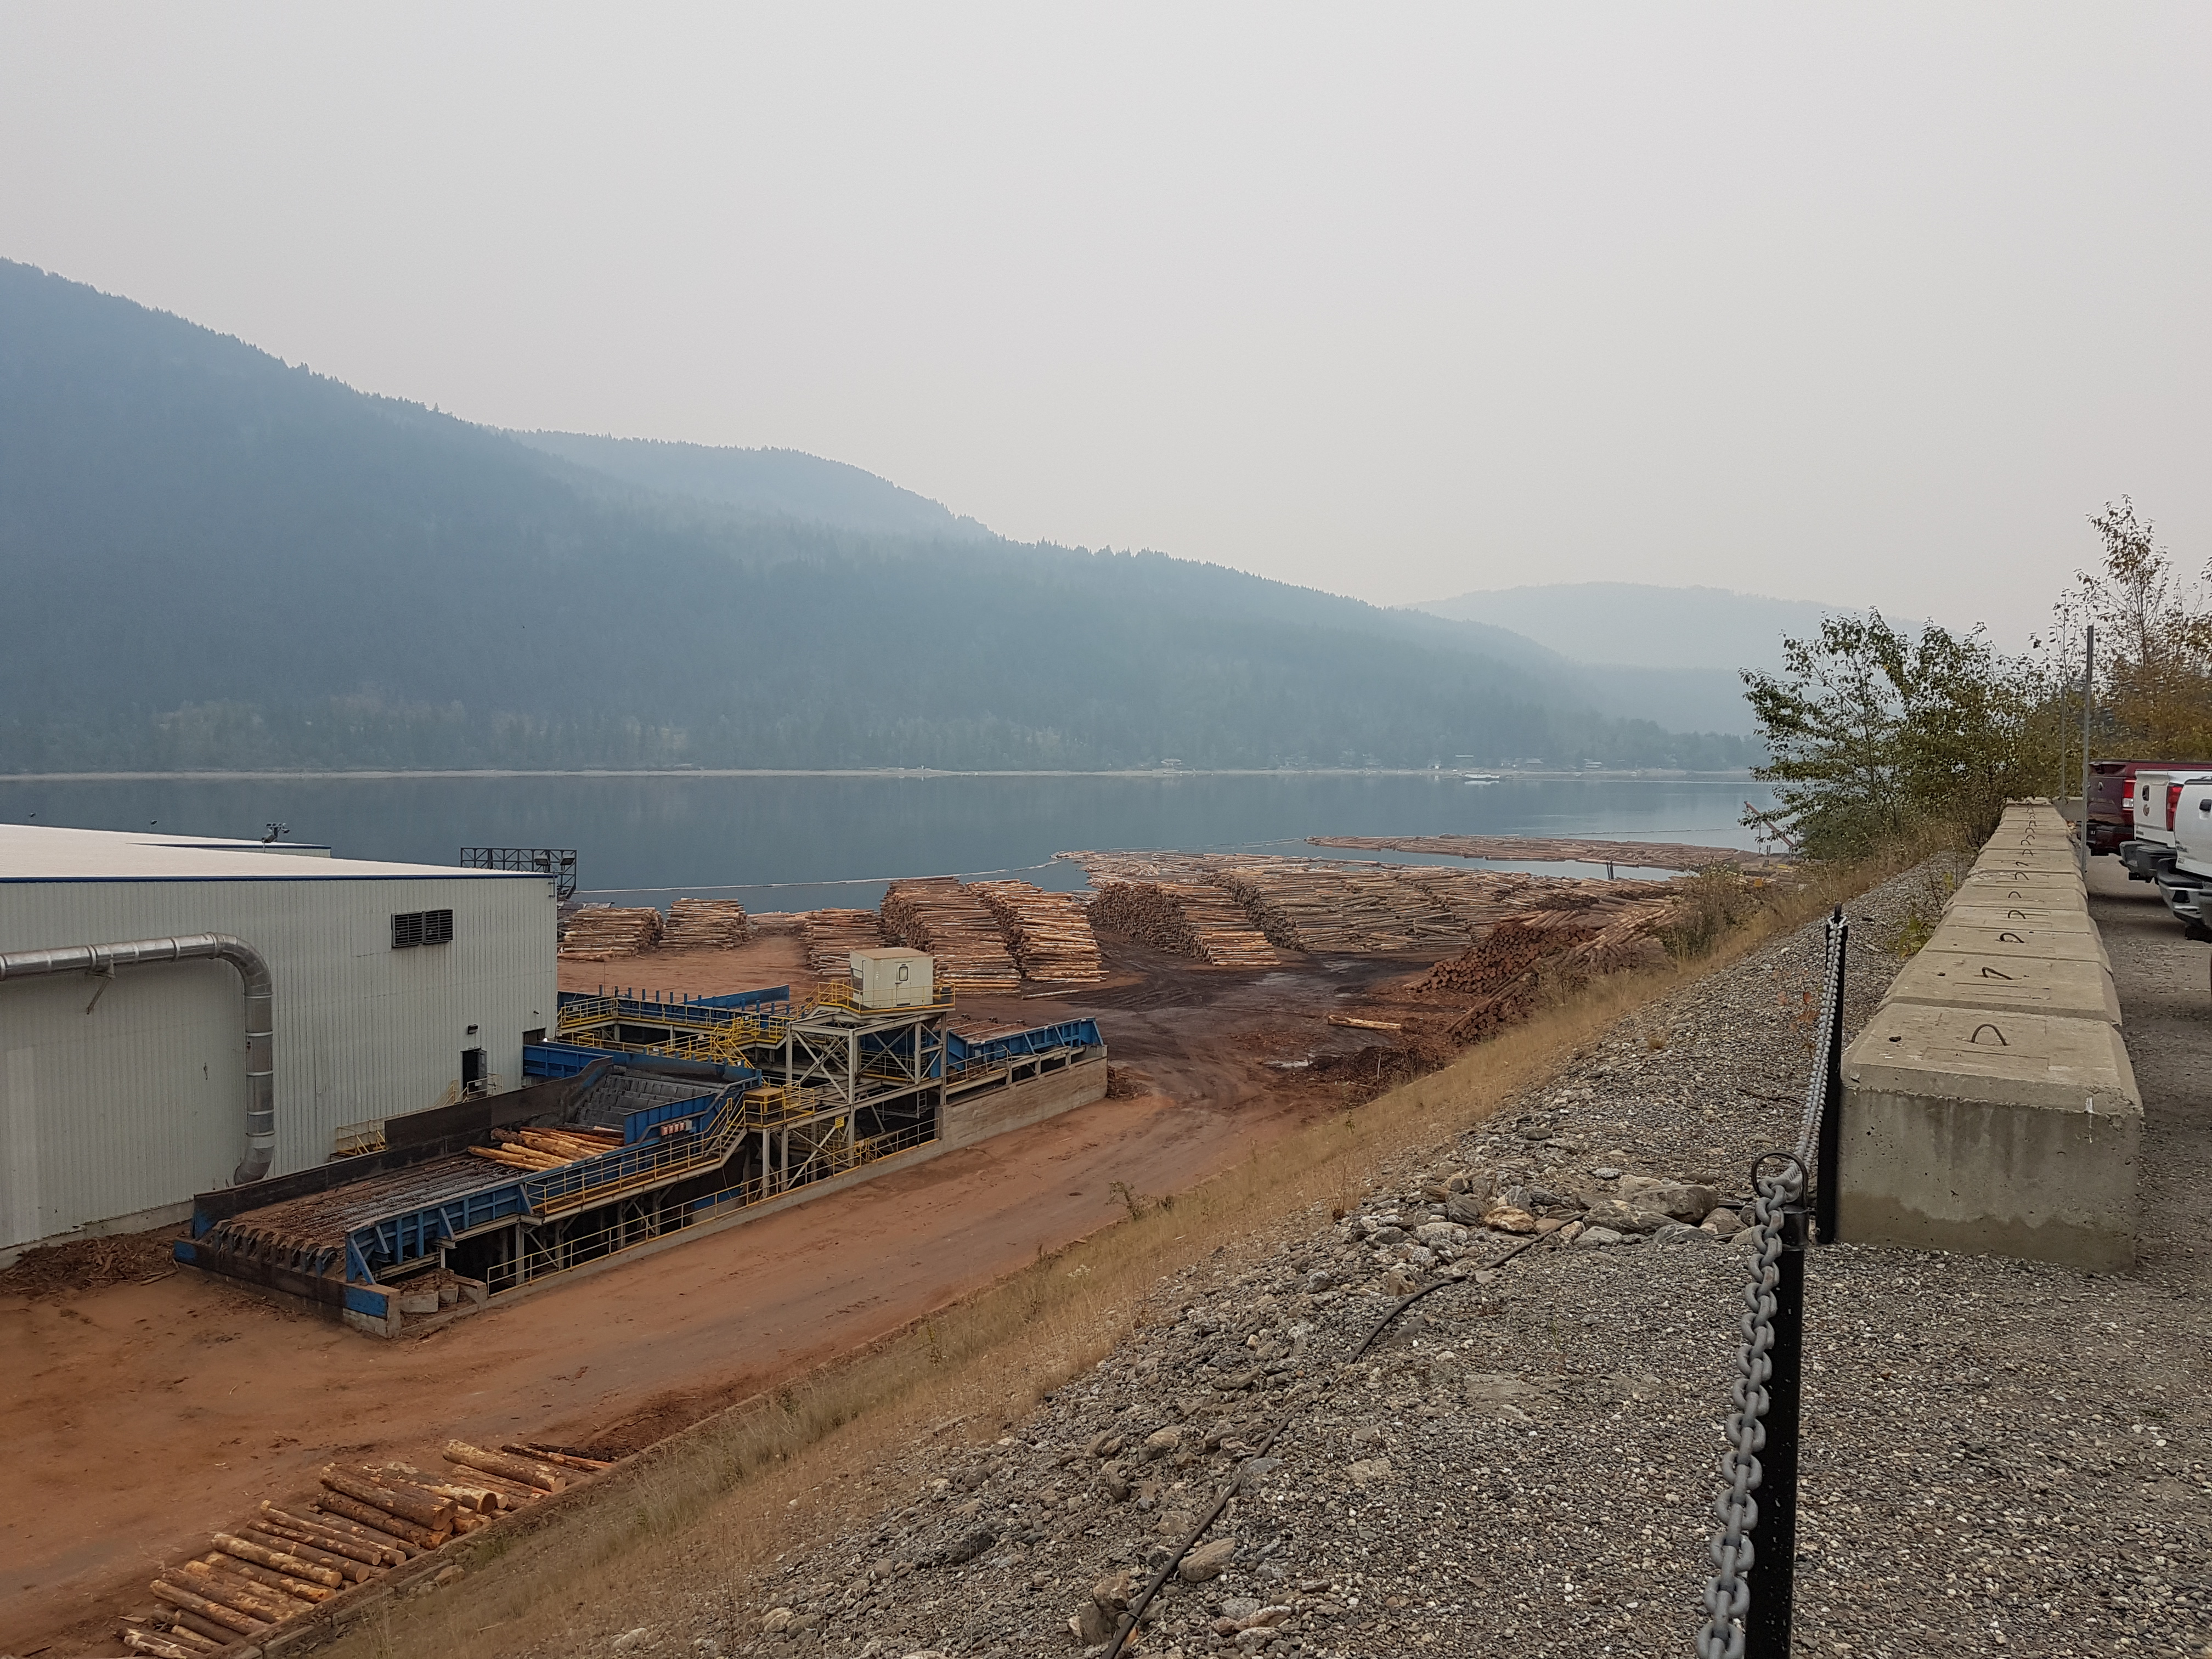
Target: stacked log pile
[
  {"x": 1185, "y": 919},
  {"x": 600, "y": 932},
  {"x": 547, "y": 1149},
  {"x": 1337, "y": 910},
  {"x": 362, "y": 1524},
  {"x": 832, "y": 936},
  {"x": 705, "y": 925},
  {"x": 1353, "y": 908},
  {"x": 936, "y": 914},
  {"x": 1048, "y": 933}
]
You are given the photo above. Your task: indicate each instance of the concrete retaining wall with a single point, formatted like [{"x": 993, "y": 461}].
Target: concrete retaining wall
[
  {"x": 1032, "y": 1100},
  {"x": 1990, "y": 1108}
]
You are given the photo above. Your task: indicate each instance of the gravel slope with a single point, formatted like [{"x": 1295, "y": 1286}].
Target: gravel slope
[{"x": 1999, "y": 1457}]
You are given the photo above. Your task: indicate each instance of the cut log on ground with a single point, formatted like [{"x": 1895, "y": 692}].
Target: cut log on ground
[
  {"x": 292, "y": 1566},
  {"x": 242, "y": 1595},
  {"x": 366, "y": 1515},
  {"x": 566, "y": 1460},
  {"x": 215, "y": 1612},
  {"x": 388, "y": 1550},
  {"x": 281, "y": 1583},
  {"x": 289, "y": 1541},
  {"x": 528, "y": 1471},
  {"x": 404, "y": 1500}
]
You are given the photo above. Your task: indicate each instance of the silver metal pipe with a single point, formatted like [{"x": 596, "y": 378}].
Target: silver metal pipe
[{"x": 260, "y": 1004}]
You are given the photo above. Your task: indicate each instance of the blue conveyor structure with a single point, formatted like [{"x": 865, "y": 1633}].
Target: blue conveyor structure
[{"x": 720, "y": 1101}]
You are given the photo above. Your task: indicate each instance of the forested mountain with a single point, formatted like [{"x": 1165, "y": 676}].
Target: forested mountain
[
  {"x": 1671, "y": 654},
  {"x": 784, "y": 482},
  {"x": 213, "y": 559}
]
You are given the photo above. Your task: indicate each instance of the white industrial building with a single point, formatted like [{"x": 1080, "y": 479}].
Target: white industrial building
[{"x": 138, "y": 973}]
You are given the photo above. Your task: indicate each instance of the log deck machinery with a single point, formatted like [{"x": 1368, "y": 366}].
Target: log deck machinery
[{"x": 720, "y": 1103}]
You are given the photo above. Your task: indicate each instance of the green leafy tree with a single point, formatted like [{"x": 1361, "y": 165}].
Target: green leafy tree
[
  {"x": 1876, "y": 733},
  {"x": 2155, "y": 637}
]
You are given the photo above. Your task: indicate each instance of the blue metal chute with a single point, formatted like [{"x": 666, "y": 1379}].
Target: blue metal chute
[
  {"x": 963, "y": 1052},
  {"x": 652, "y": 1159}
]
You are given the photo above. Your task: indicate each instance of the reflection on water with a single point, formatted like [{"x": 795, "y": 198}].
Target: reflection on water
[{"x": 836, "y": 840}]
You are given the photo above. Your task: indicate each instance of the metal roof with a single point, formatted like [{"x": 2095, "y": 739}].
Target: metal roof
[{"x": 37, "y": 852}]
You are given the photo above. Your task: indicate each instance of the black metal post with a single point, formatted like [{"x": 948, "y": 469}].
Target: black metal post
[
  {"x": 1767, "y": 1623},
  {"x": 1829, "y": 1138}
]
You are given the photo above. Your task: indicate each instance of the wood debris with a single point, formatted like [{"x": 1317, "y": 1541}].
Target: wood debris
[
  {"x": 832, "y": 936},
  {"x": 936, "y": 914},
  {"x": 705, "y": 925},
  {"x": 600, "y": 932},
  {"x": 1048, "y": 933}
]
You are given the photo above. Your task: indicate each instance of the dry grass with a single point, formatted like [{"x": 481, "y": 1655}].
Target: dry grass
[{"x": 696, "y": 1518}]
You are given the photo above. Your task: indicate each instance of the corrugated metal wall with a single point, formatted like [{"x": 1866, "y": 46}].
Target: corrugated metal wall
[{"x": 139, "y": 1103}]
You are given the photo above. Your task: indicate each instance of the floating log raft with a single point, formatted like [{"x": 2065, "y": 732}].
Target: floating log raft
[
  {"x": 1553, "y": 850},
  {"x": 1185, "y": 919},
  {"x": 1048, "y": 933},
  {"x": 706, "y": 924},
  {"x": 832, "y": 936},
  {"x": 952, "y": 923},
  {"x": 600, "y": 932}
]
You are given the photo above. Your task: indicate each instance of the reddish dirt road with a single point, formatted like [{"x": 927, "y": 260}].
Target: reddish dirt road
[{"x": 143, "y": 1416}]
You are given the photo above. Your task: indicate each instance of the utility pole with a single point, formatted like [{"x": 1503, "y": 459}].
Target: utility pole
[{"x": 2088, "y": 692}]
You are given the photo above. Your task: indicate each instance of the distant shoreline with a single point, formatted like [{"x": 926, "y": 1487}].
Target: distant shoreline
[{"x": 1647, "y": 775}]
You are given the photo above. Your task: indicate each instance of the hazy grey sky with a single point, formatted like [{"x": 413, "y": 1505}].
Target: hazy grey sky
[{"x": 1859, "y": 303}]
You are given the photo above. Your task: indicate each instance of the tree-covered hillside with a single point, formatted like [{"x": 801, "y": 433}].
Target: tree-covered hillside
[{"x": 212, "y": 559}]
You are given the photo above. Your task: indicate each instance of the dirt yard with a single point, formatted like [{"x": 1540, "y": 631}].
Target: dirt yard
[{"x": 145, "y": 1414}]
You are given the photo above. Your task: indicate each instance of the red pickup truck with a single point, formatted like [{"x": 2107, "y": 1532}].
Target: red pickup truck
[{"x": 2113, "y": 794}]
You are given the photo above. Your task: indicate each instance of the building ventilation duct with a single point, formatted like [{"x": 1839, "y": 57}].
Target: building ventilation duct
[{"x": 260, "y": 1064}]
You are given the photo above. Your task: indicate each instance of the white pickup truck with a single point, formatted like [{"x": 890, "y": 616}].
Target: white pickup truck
[
  {"x": 2186, "y": 883},
  {"x": 2150, "y": 849}
]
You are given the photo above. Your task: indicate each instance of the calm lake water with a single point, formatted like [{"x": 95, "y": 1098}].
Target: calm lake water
[{"x": 797, "y": 842}]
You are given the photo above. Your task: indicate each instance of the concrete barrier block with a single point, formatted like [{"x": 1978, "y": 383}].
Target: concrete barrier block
[
  {"x": 2019, "y": 941},
  {"x": 2054, "y": 862},
  {"x": 2051, "y": 915},
  {"x": 1990, "y": 1132},
  {"x": 2040, "y": 881},
  {"x": 2041, "y": 985}
]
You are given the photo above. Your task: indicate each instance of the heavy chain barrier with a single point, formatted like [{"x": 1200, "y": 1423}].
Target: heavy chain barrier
[{"x": 1748, "y": 1613}]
